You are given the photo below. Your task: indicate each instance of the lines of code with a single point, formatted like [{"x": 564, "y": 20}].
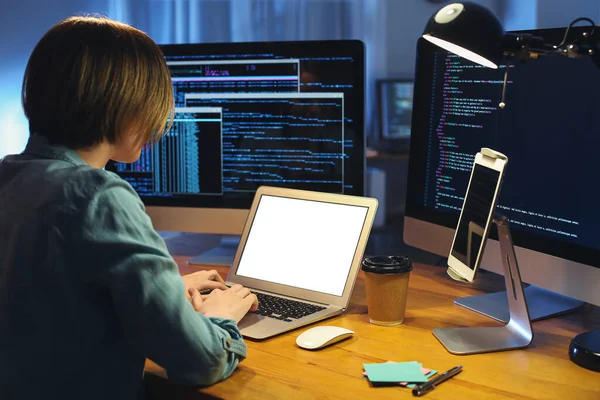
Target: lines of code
[
  {"x": 187, "y": 161},
  {"x": 310, "y": 136},
  {"x": 464, "y": 118},
  {"x": 286, "y": 139},
  {"x": 233, "y": 76},
  {"x": 464, "y": 105},
  {"x": 541, "y": 222}
]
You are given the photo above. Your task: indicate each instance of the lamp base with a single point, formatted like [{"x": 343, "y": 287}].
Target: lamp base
[{"x": 585, "y": 350}]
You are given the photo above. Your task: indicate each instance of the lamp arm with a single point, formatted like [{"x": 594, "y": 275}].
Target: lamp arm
[
  {"x": 525, "y": 46},
  {"x": 584, "y": 46},
  {"x": 592, "y": 23}
]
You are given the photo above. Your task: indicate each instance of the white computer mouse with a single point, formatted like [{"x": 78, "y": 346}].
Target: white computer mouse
[{"x": 321, "y": 336}]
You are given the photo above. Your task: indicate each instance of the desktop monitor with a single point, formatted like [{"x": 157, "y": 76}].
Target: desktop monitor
[
  {"x": 395, "y": 104},
  {"x": 549, "y": 130},
  {"x": 287, "y": 114}
]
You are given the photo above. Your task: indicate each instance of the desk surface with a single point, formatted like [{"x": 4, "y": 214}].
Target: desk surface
[{"x": 278, "y": 369}]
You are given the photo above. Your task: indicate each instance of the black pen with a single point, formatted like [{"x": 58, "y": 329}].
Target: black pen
[{"x": 430, "y": 385}]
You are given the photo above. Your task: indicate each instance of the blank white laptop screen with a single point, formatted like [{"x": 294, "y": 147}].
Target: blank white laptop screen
[{"x": 302, "y": 243}]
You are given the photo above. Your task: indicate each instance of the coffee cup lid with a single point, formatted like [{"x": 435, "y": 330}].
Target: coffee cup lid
[{"x": 387, "y": 264}]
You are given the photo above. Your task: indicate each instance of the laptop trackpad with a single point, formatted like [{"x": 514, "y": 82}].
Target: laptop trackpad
[
  {"x": 260, "y": 327},
  {"x": 249, "y": 320}
]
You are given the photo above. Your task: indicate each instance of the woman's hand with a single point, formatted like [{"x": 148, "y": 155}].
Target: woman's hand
[
  {"x": 203, "y": 280},
  {"x": 232, "y": 303}
]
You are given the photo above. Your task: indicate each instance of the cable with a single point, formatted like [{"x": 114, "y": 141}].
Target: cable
[{"x": 571, "y": 25}]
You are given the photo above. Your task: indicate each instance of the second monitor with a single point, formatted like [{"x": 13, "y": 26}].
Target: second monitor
[
  {"x": 288, "y": 114},
  {"x": 548, "y": 130}
]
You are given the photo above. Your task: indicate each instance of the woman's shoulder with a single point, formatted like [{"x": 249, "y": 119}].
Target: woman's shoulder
[
  {"x": 94, "y": 177},
  {"x": 83, "y": 185}
]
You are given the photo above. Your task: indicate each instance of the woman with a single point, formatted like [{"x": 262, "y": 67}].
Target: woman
[{"x": 88, "y": 289}]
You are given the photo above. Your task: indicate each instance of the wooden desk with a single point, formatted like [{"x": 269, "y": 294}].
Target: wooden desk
[{"x": 278, "y": 369}]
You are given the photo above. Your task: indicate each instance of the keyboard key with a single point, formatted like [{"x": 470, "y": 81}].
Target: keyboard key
[{"x": 284, "y": 309}]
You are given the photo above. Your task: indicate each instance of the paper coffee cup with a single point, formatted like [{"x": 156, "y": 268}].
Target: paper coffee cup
[{"x": 386, "y": 279}]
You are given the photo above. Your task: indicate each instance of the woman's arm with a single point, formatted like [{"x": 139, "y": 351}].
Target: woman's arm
[{"x": 131, "y": 260}]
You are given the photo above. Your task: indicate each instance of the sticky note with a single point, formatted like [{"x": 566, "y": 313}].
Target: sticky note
[
  {"x": 431, "y": 373},
  {"x": 425, "y": 371},
  {"x": 395, "y": 372}
]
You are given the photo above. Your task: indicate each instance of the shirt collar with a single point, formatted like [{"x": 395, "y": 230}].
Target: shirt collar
[{"x": 39, "y": 146}]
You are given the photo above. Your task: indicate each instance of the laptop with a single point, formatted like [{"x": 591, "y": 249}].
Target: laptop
[{"x": 300, "y": 253}]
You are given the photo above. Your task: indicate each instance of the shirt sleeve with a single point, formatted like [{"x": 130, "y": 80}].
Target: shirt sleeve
[{"x": 125, "y": 255}]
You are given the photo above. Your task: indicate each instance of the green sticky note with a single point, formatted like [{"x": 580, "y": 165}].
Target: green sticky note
[
  {"x": 429, "y": 375},
  {"x": 395, "y": 372}
]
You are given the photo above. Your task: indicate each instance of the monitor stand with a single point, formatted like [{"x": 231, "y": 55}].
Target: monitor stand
[
  {"x": 541, "y": 303},
  {"x": 221, "y": 255}
]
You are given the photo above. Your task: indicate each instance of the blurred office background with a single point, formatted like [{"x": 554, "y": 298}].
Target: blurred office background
[{"x": 389, "y": 28}]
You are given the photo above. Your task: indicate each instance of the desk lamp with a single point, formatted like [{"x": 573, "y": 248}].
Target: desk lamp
[{"x": 475, "y": 33}]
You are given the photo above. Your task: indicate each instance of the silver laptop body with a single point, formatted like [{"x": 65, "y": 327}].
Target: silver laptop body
[{"x": 304, "y": 246}]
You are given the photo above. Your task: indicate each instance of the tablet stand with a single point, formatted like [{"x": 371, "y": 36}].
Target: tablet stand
[{"x": 517, "y": 333}]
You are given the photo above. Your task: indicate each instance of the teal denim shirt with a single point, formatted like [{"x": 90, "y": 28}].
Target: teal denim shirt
[{"x": 88, "y": 290}]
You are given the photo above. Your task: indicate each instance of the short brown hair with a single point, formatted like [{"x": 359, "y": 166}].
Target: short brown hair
[{"x": 91, "y": 79}]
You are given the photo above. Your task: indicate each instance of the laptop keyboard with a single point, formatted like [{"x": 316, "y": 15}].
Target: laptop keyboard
[{"x": 283, "y": 309}]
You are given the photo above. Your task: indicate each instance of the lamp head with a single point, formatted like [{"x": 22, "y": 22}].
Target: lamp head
[{"x": 468, "y": 30}]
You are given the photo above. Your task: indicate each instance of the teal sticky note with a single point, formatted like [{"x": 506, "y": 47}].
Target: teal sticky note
[
  {"x": 395, "y": 372},
  {"x": 429, "y": 375}
]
